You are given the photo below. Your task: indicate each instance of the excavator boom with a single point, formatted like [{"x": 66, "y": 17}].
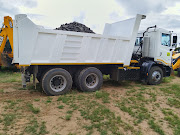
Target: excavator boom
[{"x": 6, "y": 33}]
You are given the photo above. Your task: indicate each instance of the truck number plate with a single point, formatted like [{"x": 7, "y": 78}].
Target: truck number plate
[{"x": 1, "y": 40}]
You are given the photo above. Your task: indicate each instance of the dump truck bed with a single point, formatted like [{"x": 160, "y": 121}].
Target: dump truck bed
[{"x": 35, "y": 45}]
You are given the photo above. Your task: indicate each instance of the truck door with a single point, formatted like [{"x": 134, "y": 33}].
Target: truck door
[{"x": 165, "y": 51}]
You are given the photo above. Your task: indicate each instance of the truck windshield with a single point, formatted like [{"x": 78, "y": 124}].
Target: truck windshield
[{"x": 165, "y": 40}]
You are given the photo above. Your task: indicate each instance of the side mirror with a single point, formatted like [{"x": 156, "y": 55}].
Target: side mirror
[{"x": 174, "y": 39}]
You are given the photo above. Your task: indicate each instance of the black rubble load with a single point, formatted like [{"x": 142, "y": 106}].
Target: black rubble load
[{"x": 75, "y": 26}]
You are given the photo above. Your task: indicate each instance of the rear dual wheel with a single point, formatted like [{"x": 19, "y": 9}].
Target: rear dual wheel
[
  {"x": 89, "y": 79},
  {"x": 59, "y": 81},
  {"x": 56, "y": 82}
]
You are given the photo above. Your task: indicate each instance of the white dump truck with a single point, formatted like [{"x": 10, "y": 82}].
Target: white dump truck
[{"x": 59, "y": 59}]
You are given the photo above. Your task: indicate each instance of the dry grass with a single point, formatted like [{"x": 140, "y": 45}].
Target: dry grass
[{"x": 118, "y": 108}]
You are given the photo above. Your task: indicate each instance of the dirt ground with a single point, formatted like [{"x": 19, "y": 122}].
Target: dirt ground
[{"x": 118, "y": 108}]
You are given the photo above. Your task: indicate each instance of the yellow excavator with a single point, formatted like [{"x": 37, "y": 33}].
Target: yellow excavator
[
  {"x": 176, "y": 62},
  {"x": 6, "y": 42}
]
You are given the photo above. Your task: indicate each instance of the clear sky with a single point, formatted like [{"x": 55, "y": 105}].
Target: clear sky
[{"x": 95, "y": 13}]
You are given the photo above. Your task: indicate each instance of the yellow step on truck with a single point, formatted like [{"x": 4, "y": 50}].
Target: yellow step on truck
[{"x": 59, "y": 59}]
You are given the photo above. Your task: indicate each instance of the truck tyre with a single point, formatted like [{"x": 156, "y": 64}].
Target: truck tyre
[
  {"x": 155, "y": 75},
  {"x": 56, "y": 82},
  {"x": 90, "y": 79}
]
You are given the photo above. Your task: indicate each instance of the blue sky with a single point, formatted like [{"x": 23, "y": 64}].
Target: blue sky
[{"x": 95, "y": 13}]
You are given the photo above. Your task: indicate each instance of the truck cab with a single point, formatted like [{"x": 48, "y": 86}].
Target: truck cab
[{"x": 156, "y": 44}]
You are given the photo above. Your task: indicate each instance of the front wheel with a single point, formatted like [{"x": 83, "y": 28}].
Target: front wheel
[
  {"x": 155, "y": 75},
  {"x": 56, "y": 82}
]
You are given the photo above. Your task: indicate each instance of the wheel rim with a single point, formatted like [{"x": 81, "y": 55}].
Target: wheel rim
[
  {"x": 156, "y": 76},
  {"x": 58, "y": 83},
  {"x": 92, "y": 80}
]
